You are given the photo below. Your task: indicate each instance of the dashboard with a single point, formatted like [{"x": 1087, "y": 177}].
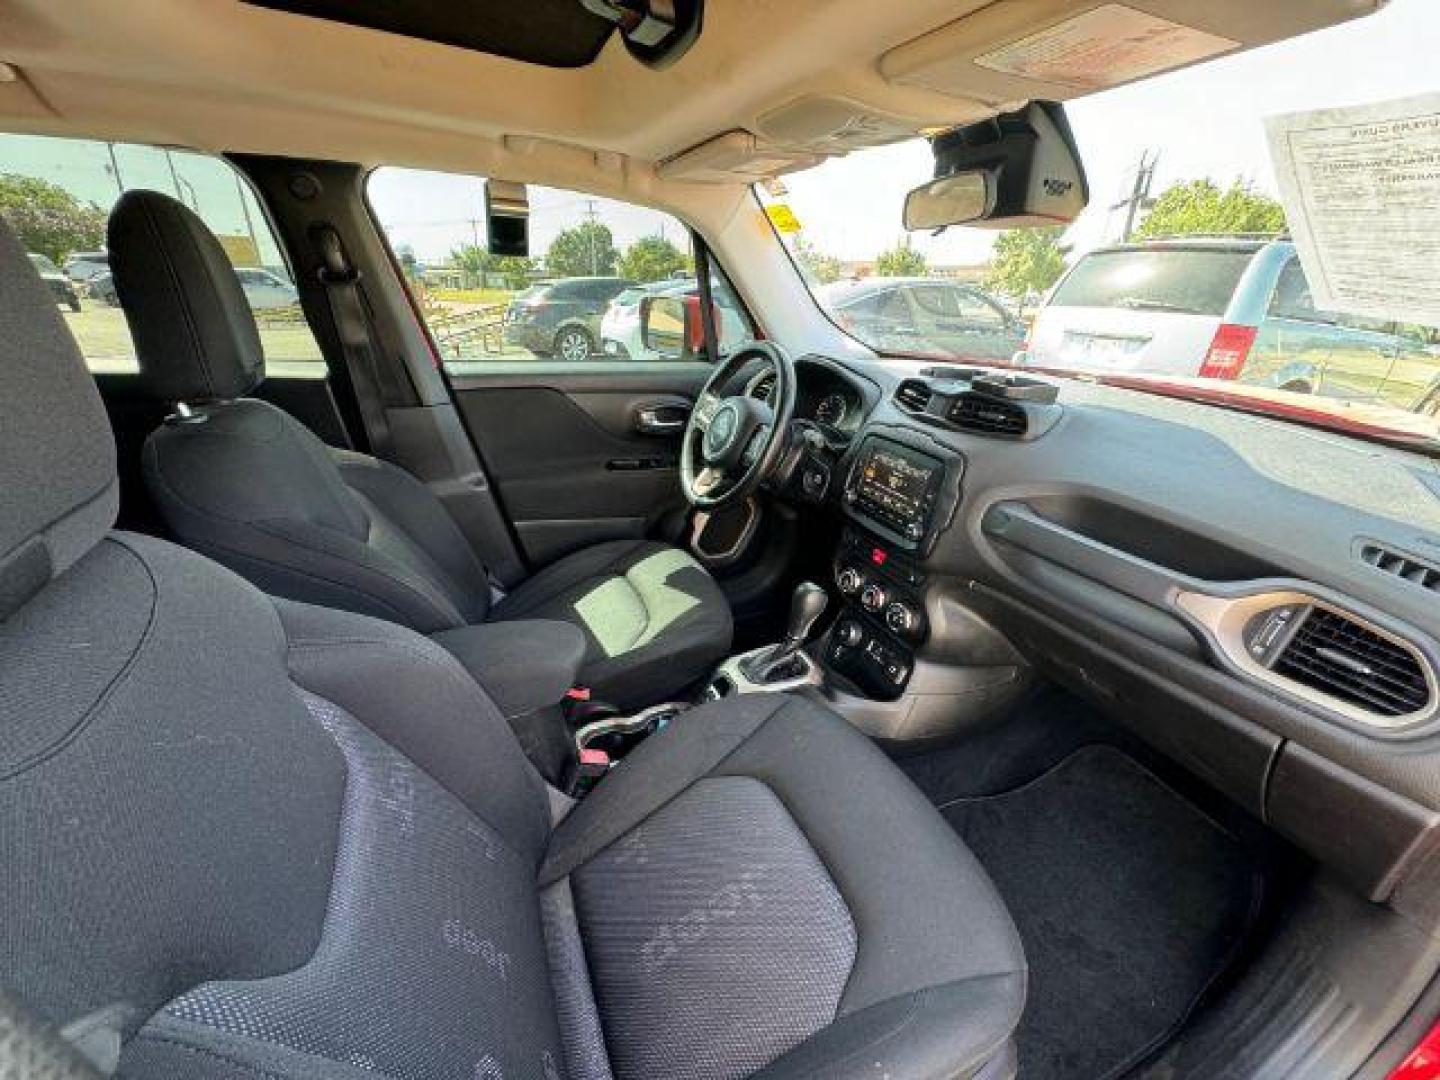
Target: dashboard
[
  {"x": 1254, "y": 598},
  {"x": 825, "y": 395}
]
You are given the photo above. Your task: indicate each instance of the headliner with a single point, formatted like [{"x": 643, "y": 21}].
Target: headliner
[{"x": 224, "y": 75}]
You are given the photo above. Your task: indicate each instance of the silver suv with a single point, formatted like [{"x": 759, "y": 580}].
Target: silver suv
[{"x": 1225, "y": 308}]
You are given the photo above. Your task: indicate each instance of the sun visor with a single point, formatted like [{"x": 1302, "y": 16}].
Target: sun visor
[{"x": 1024, "y": 50}]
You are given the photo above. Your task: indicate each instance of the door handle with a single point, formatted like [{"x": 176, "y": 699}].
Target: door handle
[{"x": 661, "y": 419}]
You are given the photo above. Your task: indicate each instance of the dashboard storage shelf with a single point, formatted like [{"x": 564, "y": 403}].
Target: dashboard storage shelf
[{"x": 977, "y": 402}]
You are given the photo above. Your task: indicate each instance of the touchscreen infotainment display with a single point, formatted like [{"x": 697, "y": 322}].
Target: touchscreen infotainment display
[{"x": 896, "y": 486}]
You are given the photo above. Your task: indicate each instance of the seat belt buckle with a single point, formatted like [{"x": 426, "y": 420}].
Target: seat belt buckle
[
  {"x": 589, "y": 767},
  {"x": 578, "y": 693}
]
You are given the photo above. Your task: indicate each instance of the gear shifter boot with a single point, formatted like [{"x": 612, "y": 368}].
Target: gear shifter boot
[{"x": 779, "y": 663}]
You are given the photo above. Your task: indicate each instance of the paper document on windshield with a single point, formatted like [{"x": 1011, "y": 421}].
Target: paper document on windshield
[{"x": 1361, "y": 189}]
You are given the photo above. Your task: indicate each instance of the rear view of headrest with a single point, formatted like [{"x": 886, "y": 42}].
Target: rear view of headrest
[
  {"x": 58, "y": 491},
  {"x": 194, "y": 333}
]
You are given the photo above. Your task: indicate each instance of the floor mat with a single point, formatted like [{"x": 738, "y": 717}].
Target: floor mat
[{"x": 1129, "y": 901}]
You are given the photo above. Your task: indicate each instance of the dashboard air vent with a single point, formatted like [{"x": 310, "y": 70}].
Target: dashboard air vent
[
  {"x": 1338, "y": 656},
  {"x": 913, "y": 396},
  {"x": 985, "y": 415},
  {"x": 1402, "y": 566}
]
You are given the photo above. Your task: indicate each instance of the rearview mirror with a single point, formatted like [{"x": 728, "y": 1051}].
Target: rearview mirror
[
  {"x": 507, "y": 218},
  {"x": 1018, "y": 169},
  {"x": 668, "y": 325}
]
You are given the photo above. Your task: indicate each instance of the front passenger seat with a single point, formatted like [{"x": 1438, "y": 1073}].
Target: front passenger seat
[
  {"x": 242, "y": 837},
  {"x": 248, "y": 485}
]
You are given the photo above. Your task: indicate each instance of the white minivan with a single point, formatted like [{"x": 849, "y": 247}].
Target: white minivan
[{"x": 1174, "y": 307}]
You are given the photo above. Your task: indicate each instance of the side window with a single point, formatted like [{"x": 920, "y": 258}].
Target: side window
[
  {"x": 57, "y": 194},
  {"x": 867, "y": 307},
  {"x": 1292, "y": 298},
  {"x": 937, "y": 301},
  {"x": 890, "y": 306},
  {"x": 980, "y": 312},
  {"x": 575, "y": 298}
]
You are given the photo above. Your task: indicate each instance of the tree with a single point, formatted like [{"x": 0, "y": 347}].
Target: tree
[
  {"x": 472, "y": 261},
  {"x": 409, "y": 264},
  {"x": 585, "y": 250},
  {"x": 476, "y": 264},
  {"x": 518, "y": 271},
  {"x": 1202, "y": 206},
  {"x": 1025, "y": 261},
  {"x": 823, "y": 268},
  {"x": 48, "y": 219},
  {"x": 652, "y": 258},
  {"x": 900, "y": 261}
]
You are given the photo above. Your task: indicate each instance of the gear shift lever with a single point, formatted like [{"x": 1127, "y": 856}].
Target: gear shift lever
[{"x": 806, "y": 606}]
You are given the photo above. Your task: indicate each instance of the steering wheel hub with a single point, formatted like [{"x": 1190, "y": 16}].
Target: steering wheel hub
[
  {"x": 732, "y": 442},
  {"x": 730, "y": 431}
]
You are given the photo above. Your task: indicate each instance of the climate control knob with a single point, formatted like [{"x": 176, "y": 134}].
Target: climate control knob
[
  {"x": 849, "y": 580},
  {"x": 901, "y": 618},
  {"x": 873, "y": 598}
]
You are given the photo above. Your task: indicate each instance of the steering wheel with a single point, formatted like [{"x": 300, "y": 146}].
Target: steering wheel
[{"x": 732, "y": 443}]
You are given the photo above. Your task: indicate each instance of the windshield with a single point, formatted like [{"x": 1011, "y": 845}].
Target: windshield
[{"x": 1237, "y": 248}]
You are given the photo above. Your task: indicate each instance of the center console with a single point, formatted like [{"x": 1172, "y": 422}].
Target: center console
[
  {"x": 901, "y": 491},
  {"x": 883, "y": 621}
]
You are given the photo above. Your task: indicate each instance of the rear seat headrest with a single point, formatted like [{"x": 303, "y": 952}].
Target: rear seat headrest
[
  {"x": 194, "y": 332},
  {"x": 58, "y": 489}
]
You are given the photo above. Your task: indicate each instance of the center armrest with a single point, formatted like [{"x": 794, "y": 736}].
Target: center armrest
[{"x": 524, "y": 665}]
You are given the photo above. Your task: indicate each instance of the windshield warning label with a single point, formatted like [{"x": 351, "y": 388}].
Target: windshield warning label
[
  {"x": 1111, "y": 45},
  {"x": 1361, "y": 189}
]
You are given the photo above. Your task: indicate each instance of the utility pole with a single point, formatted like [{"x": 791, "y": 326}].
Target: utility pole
[
  {"x": 115, "y": 167},
  {"x": 249, "y": 222},
  {"x": 174, "y": 175},
  {"x": 1139, "y": 198},
  {"x": 590, "y": 215}
]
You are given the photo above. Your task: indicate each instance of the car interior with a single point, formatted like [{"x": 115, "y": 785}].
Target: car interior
[{"x": 788, "y": 710}]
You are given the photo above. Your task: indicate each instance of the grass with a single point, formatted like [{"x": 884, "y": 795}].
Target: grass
[
  {"x": 107, "y": 347},
  {"x": 469, "y": 296}
]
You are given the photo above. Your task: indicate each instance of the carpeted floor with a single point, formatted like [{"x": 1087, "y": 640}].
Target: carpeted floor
[{"x": 1129, "y": 901}]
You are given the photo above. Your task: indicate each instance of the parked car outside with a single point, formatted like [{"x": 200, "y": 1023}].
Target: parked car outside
[
  {"x": 1225, "y": 308},
  {"x": 926, "y": 314},
  {"x": 264, "y": 289},
  {"x": 561, "y": 318},
  {"x": 84, "y": 265},
  {"x": 59, "y": 285},
  {"x": 101, "y": 287},
  {"x": 620, "y": 326}
]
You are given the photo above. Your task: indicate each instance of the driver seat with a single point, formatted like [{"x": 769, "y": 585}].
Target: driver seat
[{"x": 246, "y": 484}]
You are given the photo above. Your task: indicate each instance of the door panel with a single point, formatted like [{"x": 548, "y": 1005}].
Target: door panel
[{"x": 564, "y": 447}]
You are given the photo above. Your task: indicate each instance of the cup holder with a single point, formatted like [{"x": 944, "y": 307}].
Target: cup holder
[{"x": 618, "y": 735}]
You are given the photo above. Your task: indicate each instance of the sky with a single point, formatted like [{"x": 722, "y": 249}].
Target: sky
[
  {"x": 433, "y": 213},
  {"x": 97, "y": 172}
]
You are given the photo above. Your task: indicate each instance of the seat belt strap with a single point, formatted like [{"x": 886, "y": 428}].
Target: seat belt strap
[
  {"x": 357, "y": 342},
  {"x": 707, "y": 303}
]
